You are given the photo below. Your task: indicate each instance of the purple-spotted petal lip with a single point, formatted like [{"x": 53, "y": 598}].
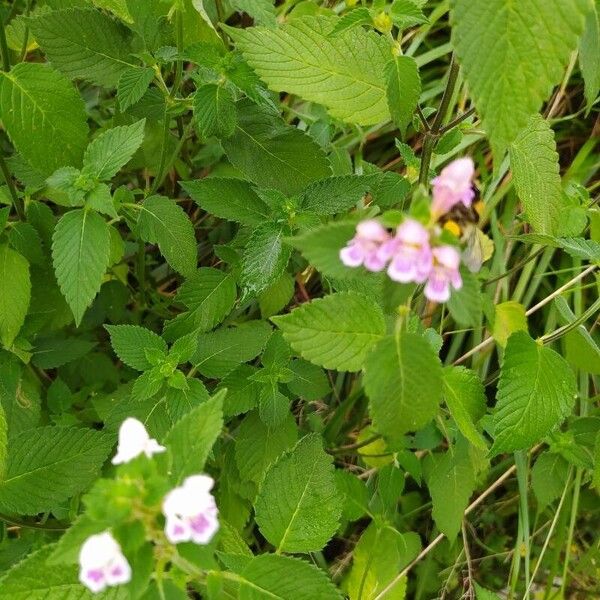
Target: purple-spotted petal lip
[
  {"x": 93, "y": 579},
  {"x": 204, "y": 527}
]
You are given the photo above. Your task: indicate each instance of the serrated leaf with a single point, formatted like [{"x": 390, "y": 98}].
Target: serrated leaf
[
  {"x": 44, "y": 116},
  {"x": 512, "y": 54},
  {"x": 336, "y": 194},
  {"x": 15, "y": 293},
  {"x": 24, "y": 238},
  {"x": 80, "y": 254},
  {"x": 298, "y": 507},
  {"x": 335, "y": 332},
  {"x": 581, "y": 248},
  {"x": 465, "y": 397},
  {"x": 221, "y": 351},
  {"x": 403, "y": 89},
  {"x": 85, "y": 44},
  {"x": 265, "y": 257},
  {"x": 403, "y": 380},
  {"x": 162, "y": 221},
  {"x": 228, "y": 198},
  {"x": 50, "y": 464},
  {"x": 534, "y": 163},
  {"x": 35, "y": 578},
  {"x": 130, "y": 343},
  {"x": 214, "y": 111},
  {"x": 192, "y": 437},
  {"x": 132, "y": 85},
  {"x": 589, "y": 50},
  {"x": 310, "y": 382},
  {"x": 548, "y": 478},
  {"x": 209, "y": 295},
  {"x": 113, "y": 149},
  {"x": 273, "y": 154},
  {"x": 343, "y": 72},
  {"x": 273, "y": 577},
  {"x": 20, "y": 398},
  {"x": 258, "y": 446},
  {"x": 261, "y": 11},
  {"x": 55, "y": 351},
  {"x": 536, "y": 391},
  {"x": 358, "y": 16},
  {"x": 117, "y": 7},
  {"x": 451, "y": 483}
]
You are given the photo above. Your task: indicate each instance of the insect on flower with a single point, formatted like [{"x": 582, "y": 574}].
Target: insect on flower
[
  {"x": 133, "y": 441},
  {"x": 102, "y": 564},
  {"x": 191, "y": 511}
]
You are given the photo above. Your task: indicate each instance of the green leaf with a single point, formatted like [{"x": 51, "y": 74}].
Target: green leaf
[
  {"x": 162, "y": 221},
  {"x": 50, "y": 464},
  {"x": 133, "y": 84},
  {"x": 403, "y": 89},
  {"x": 310, "y": 382},
  {"x": 276, "y": 296},
  {"x": 581, "y": 248},
  {"x": 258, "y": 446},
  {"x": 403, "y": 379},
  {"x": 261, "y": 11},
  {"x": 536, "y": 391},
  {"x": 512, "y": 54},
  {"x": 335, "y": 332},
  {"x": 25, "y": 239},
  {"x": 193, "y": 436},
  {"x": 15, "y": 293},
  {"x": 273, "y": 154},
  {"x": 589, "y": 50},
  {"x": 85, "y": 44},
  {"x": 451, "y": 483},
  {"x": 130, "y": 343},
  {"x": 3, "y": 443},
  {"x": 113, "y": 149},
  {"x": 117, "y": 7},
  {"x": 80, "y": 253},
  {"x": 228, "y": 198},
  {"x": 465, "y": 305},
  {"x": 548, "y": 478},
  {"x": 265, "y": 257},
  {"x": 221, "y": 351},
  {"x": 534, "y": 163},
  {"x": 273, "y": 577},
  {"x": 214, "y": 111},
  {"x": 336, "y": 194},
  {"x": 465, "y": 397},
  {"x": 44, "y": 116},
  {"x": 35, "y": 578},
  {"x": 209, "y": 295},
  {"x": 508, "y": 317},
  {"x": 343, "y": 72},
  {"x": 242, "y": 391},
  {"x": 298, "y": 506}
]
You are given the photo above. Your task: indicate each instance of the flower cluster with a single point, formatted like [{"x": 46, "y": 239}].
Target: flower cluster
[
  {"x": 190, "y": 512},
  {"x": 411, "y": 254}
]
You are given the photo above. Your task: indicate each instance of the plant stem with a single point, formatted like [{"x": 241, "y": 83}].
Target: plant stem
[
  {"x": 521, "y": 463},
  {"x": 432, "y": 135},
  {"x": 4, "y": 47}
]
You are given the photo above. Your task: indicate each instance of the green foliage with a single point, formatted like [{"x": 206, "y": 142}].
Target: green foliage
[
  {"x": 214, "y": 110},
  {"x": 403, "y": 89},
  {"x": 15, "y": 293},
  {"x": 132, "y": 345}
]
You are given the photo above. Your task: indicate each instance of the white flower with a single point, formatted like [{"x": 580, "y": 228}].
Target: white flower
[
  {"x": 191, "y": 511},
  {"x": 133, "y": 441},
  {"x": 102, "y": 563}
]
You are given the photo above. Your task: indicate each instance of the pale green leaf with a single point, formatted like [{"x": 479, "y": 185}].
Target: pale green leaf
[
  {"x": 512, "y": 54},
  {"x": 536, "y": 392},
  {"x": 44, "y": 116},
  {"x": 534, "y": 163},
  {"x": 193, "y": 436},
  {"x": 80, "y": 253},
  {"x": 84, "y": 43},
  {"x": 403, "y": 89},
  {"x": 50, "y": 464},
  {"x": 162, "y": 221},
  {"x": 117, "y": 7},
  {"x": 508, "y": 317},
  {"x": 298, "y": 506},
  {"x": 132, "y": 85},
  {"x": 465, "y": 397},
  {"x": 130, "y": 343},
  {"x": 113, "y": 149},
  {"x": 344, "y": 72},
  {"x": 214, "y": 111},
  {"x": 335, "y": 332},
  {"x": 15, "y": 293},
  {"x": 403, "y": 379},
  {"x": 228, "y": 198},
  {"x": 273, "y": 154},
  {"x": 589, "y": 53},
  {"x": 360, "y": 15}
]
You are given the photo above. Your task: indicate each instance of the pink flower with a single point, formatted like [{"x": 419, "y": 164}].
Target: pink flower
[
  {"x": 102, "y": 564},
  {"x": 363, "y": 248},
  {"x": 409, "y": 251},
  {"x": 453, "y": 185},
  {"x": 445, "y": 273},
  {"x": 191, "y": 511}
]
